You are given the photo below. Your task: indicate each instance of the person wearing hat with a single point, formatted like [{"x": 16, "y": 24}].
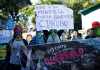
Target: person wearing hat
[
  {"x": 17, "y": 46},
  {"x": 95, "y": 24},
  {"x": 93, "y": 39}
]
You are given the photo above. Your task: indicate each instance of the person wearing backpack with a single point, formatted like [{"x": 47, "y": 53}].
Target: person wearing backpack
[{"x": 18, "y": 55}]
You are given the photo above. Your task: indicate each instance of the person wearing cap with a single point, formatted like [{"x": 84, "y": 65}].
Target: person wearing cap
[
  {"x": 17, "y": 45},
  {"x": 95, "y": 24},
  {"x": 91, "y": 31}
]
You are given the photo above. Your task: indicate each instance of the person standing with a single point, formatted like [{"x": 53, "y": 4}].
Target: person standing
[
  {"x": 17, "y": 45},
  {"x": 90, "y": 33},
  {"x": 76, "y": 36},
  {"x": 30, "y": 64},
  {"x": 29, "y": 39},
  {"x": 64, "y": 37}
]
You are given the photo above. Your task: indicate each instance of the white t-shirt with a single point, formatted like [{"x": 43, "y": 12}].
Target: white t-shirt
[{"x": 16, "y": 47}]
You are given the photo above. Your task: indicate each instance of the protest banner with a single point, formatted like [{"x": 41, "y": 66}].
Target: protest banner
[
  {"x": 5, "y": 36},
  {"x": 53, "y": 17},
  {"x": 63, "y": 52}
]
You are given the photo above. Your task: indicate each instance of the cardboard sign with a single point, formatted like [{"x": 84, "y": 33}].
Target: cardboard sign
[{"x": 53, "y": 17}]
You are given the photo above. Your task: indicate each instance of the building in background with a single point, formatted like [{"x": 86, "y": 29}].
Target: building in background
[{"x": 90, "y": 15}]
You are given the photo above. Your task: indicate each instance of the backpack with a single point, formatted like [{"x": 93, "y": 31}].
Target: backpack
[{"x": 23, "y": 57}]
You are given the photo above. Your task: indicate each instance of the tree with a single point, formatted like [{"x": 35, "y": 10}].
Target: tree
[
  {"x": 24, "y": 14},
  {"x": 12, "y": 6},
  {"x": 28, "y": 10},
  {"x": 51, "y": 2},
  {"x": 77, "y": 17}
]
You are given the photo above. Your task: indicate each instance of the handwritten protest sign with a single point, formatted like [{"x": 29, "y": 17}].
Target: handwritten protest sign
[{"x": 53, "y": 17}]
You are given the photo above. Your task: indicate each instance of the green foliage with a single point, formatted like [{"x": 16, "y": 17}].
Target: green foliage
[
  {"x": 77, "y": 17},
  {"x": 25, "y": 13},
  {"x": 28, "y": 10},
  {"x": 51, "y": 2},
  {"x": 2, "y": 2}
]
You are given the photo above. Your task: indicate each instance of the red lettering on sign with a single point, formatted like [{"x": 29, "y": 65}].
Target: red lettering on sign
[{"x": 61, "y": 56}]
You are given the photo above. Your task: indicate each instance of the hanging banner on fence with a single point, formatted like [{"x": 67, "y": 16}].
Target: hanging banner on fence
[
  {"x": 64, "y": 52},
  {"x": 5, "y": 36},
  {"x": 53, "y": 17}
]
